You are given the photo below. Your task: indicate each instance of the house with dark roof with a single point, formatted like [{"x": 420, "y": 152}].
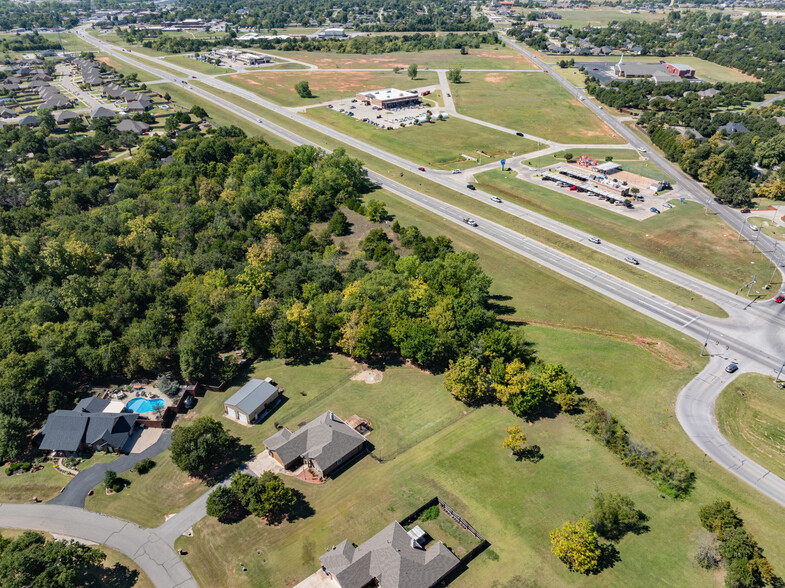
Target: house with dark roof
[
  {"x": 134, "y": 126},
  {"x": 709, "y": 93},
  {"x": 65, "y": 116},
  {"x": 733, "y": 127},
  {"x": 324, "y": 444},
  {"x": 7, "y": 112},
  {"x": 102, "y": 112},
  {"x": 252, "y": 400},
  {"x": 135, "y": 106},
  {"x": 56, "y": 102},
  {"x": 393, "y": 558},
  {"x": 28, "y": 121},
  {"x": 87, "y": 426}
]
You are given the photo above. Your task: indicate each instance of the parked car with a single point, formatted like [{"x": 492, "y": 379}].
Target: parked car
[
  {"x": 667, "y": 205},
  {"x": 496, "y": 199},
  {"x": 745, "y": 211},
  {"x": 421, "y": 168},
  {"x": 732, "y": 367},
  {"x": 632, "y": 260},
  {"x": 471, "y": 186},
  {"x": 654, "y": 210},
  {"x": 520, "y": 134},
  {"x": 779, "y": 299},
  {"x": 595, "y": 240},
  {"x": 573, "y": 188}
]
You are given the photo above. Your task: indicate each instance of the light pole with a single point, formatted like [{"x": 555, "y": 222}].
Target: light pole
[
  {"x": 751, "y": 284},
  {"x": 777, "y": 379},
  {"x": 705, "y": 343},
  {"x": 757, "y": 234}
]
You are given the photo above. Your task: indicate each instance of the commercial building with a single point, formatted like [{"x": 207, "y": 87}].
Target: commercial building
[
  {"x": 681, "y": 70},
  {"x": 332, "y": 34},
  {"x": 242, "y": 57},
  {"x": 389, "y": 98}
]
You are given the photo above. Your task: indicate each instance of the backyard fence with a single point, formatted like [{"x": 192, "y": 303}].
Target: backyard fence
[{"x": 450, "y": 513}]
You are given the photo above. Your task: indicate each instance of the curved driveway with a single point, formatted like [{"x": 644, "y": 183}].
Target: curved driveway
[{"x": 151, "y": 553}]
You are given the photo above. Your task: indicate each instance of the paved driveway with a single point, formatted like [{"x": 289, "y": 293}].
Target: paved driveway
[
  {"x": 264, "y": 462},
  {"x": 318, "y": 580}
]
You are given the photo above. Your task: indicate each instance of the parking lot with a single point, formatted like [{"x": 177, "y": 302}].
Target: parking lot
[{"x": 387, "y": 119}]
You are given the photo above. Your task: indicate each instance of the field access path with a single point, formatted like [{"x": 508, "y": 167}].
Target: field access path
[{"x": 753, "y": 334}]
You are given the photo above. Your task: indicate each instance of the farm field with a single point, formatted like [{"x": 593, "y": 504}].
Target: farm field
[
  {"x": 125, "y": 68},
  {"x": 486, "y": 57},
  {"x": 325, "y": 86},
  {"x": 541, "y": 107},
  {"x": 684, "y": 238},
  {"x": 438, "y": 144},
  {"x": 705, "y": 70},
  {"x": 751, "y": 416},
  {"x": 196, "y": 65}
]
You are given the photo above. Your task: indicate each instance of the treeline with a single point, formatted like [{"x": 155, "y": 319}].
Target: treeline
[
  {"x": 388, "y": 43},
  {"x": 31, "y": 16},
  {"x": 28, "y": 42}
]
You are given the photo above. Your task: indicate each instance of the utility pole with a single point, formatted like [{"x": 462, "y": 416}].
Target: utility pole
[
  {"x": 757, "y": 234},
  {"x": 751, "y": 284},
  {"x": 706, "y": 343},
  {"x": 777, "y": 379},
  {"x": 740, "y": 229},
  {"x": 771, "y": 279}
]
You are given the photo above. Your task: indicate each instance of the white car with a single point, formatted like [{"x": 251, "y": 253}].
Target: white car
[
  {"x": 641, "y": 149},
  {"x": 754, "y": 228},
  {"x": 582, "y": 98},
  {"x": 456, "y": 171},
  {"x": 667, "y": 205},
  {"x": 496, "y": 199},
  {"x": 595, "y": 240}
]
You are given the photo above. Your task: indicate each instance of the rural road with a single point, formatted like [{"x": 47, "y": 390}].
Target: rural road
[
  {"x": 752, "y": 334},
  {"x": 155, "y": 556}
]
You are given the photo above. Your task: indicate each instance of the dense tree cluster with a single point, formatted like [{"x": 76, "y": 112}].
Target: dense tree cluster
[
  {"x": 743, "y": 559},
  {"x": 32, "y": 16},
  {"x": 203, "y": 446},
  {"x": 265, "y": 496}
]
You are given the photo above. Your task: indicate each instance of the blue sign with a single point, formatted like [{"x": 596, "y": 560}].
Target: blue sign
[
  {"x": 681, "y": 200},
  {"x": 503, "y": 161}
]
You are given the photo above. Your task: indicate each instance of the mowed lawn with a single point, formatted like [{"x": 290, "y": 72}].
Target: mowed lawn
[
  {"x": 485, "y": 57},
  {"x": 598, "y": 154},
  {"x": 684, "y": 237},
  {"x": 751, "y": 415},
  {"x": 43, "y": 484},
  {"x": 196, "y": 65},
  {"x": 437, "y": 144},
  {"x": 279, "y": 86},
  {"x": 531, "y": 103},
  {"x": 125, "y": 68},
  {"x": 597, "y": 16}
]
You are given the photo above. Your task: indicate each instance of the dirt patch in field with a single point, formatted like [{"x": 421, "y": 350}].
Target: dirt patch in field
[
  {"x": 368, "y": 376},
  {"x": 496, "y": 78}
]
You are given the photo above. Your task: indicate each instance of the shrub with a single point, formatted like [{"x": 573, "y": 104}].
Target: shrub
[
  {"x": 11, "y": 469},
  {"x": 110, "y": 477},
  {"x": 144, "y": 466},
  {"x": 26, "y": 466},
  {"x": 430, "y": 513}
]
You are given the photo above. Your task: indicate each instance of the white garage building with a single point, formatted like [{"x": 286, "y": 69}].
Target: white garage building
[{"x": 252, "y": 400}]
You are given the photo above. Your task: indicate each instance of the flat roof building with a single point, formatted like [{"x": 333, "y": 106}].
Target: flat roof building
[{"x": 389, "y": 97}]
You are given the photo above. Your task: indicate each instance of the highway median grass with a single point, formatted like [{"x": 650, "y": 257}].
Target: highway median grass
[
  {"x": 531, "y": 103},
  {"x": 751, "y": 415}
]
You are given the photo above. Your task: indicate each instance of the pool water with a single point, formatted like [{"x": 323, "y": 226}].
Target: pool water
[{"x": 143, "y": 405}]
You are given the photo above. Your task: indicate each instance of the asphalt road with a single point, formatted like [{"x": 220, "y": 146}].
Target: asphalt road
[
  {"x": 750, "y": 335},
  {"x": 156, "y": 557}
]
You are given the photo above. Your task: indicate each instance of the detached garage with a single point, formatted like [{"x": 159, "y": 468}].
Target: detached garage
[{"x": 252, "y": 400}]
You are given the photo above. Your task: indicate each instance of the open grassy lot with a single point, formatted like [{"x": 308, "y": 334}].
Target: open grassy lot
[
  {"x": 43, "y": 484},
  {"x": 71, "y": 42},
  {"x": 486, "y": 57},
  {"x": 751, "y": 415},
  {"x": 767, "y": 226},
  {"x": 279, "y": 86},
  {"x": 705, "y": 70},
  {"x": 116, "y": 39},
  {"x": 116, "y": 571},
  {"x": 219, "y": 115},
  {"x": 163, "y": 490},
  {"x": 685, "y": 237},
  {"x": 540, "y": 107},
  {"x": 598, "y": 154},
  {"x": 600, "y": 16},
  {"x": 125, "y": 68},
  {"x": 196, "y": 65},
  {"x": 439, "y": 144}
]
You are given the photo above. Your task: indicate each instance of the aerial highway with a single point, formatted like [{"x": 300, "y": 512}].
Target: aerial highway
[{"x": 752, "y": 334}]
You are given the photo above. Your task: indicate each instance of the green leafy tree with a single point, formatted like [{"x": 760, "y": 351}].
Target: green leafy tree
[
  {"x": 734, "y": 191},
  {"x": 466, "y": 379},
  {"x": 14, "y": 437},
  {"x": 338, "y": 224},
  {"x": 412, "y": 71},
  {"x": 515, "y": 440},
  {"x": 454, "y": 75},
  {"x": 720, "y": 517},
  {"x": 198, "y": 348},
  {"x": 568, "y": 156},
  {"x": 46, "y": 121},
  {"x": 577, "y": 545},
  {"x": 167, "y": 97},
  {"x": 199, "y": 112},
  {"x": 303, "y": 89},
  {"x": 614, "y": 515},
  {"x": 376, "y": 210},
  {"x": 221, "y": 503},
  {"x": 77, "y": 125},
  {"x": 167, "y": 385},
  {"x": 265, "y": 496},
  {"x": 110, "y": 479},
  {"x": 199, "y": 448}
]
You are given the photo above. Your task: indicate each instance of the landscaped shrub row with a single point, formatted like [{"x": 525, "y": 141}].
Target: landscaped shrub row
[
  {"x": 671, "y": 474},
  {"x": 15, "y": 467}
]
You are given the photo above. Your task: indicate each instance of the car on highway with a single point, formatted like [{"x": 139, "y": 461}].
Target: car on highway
[
  {"x": 456, "y": 171},
  {"x": 595, "y": 240},
  {"x": 745, "y": 211},
  {"x": 600, "y": 107},
  {"x": 520, "y": 134},
  {"x": 421, "y": 168},
  {"x": 470, "y": 222},
  {"x": 194, "y": 77},
  {"x": 632, "y": 260},
  {"x": 754, "y": 228},
  {"x": 259, "y": 120},
  {"x": 732, "y": 367},
  {"x": 496, "y": 199},
  {"x": 779, "y": 299},
  {"x": 654, "y": 210},
  {"x": 642, "y": 150},
  {"x": 471, "y": 186},
  {"x": 582, "y": 98}
]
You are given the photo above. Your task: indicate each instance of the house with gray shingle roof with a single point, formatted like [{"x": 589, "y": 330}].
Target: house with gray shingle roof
[
  {"x": 102, "y": 112},
  {"x": 253, "y": 399},
  {"x": 64, "y": 116},
  {"x": 28, "y": 121},
  {"x": 733, "y": 127},
  {"x": 56, "y": 102},
  {"x": 710, "y": 93},
  {"x": 392, "y": 558},
  {"x": 323, "y": 444},
  {"x": 7, "y": 112}
]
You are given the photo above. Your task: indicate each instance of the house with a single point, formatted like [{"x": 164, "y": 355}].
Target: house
[
  {"x": 42, "y": 77},
  {"x": 11, "y": 86},
  {"x": 252, "y": 400},
  {"x": 710, "y": 93},
  {"x": 605, "y": 50},
  {"x": 88, "y": 425},
  {"x": 65, "y": 116},
  {"x": 102, "y": 112},
  {"x": 135, "y": 106},
  {"x": 780, "y": 119},
  {"x": 322, "y": 444},
  {"x": 7, "y": 112},
  {"x": 636, "y": 50},
  {"x": 689, "y": 133},
  {"x": 37, "y": 84},
  {"x": 56, "y": 102},
  {"x": 134, "y": 126},
  {"x": 393, "y": 558},
  {"x": 28, "y": 121},
  {"x": 733, "y": 127},
  {"x": 113, "y": 91}
]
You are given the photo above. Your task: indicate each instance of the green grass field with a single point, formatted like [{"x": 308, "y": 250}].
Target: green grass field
[
  {"x": 325, "y": 86},
  {"x": 685, "y": 237},
  {"x": 163, "y": 490},
  {"x": 71, "y": 42},
  {"x": 438, "y": 144},
  {"x": 600, "y": 16},
  {"x": 486, "y": 57},
  {"x": 751, "y": 415},
  {"x": 125, "y": 68},
  {"x": 767, "y": 226},
  {"x": 531, "y": 103},
  {"x": 220, "y": 116},
  {"x": 43, "y": 484},
  {"x": 196, "y": 65},
  {"x": 598, "y": 154}
]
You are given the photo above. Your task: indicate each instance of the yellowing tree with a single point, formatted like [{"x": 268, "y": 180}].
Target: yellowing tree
[
  {"x": 515, "y": 440},
  {"x": 774, "y": 189},
  {"x": 577, "y": 545}
]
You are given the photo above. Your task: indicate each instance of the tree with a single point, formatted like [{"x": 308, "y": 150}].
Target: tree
[
  {"x": 77, "y": 125},
  {"x": 466, "y": 379},
  {"x": 46, "y": 121},
  {"x": 568, "y": 156},
  {"x": 221, "y": 503},
  {"x": 31, "y": 560},
  {"x": 376, "y": 211},
  {"x": 303, "y": 89},
  {"x": 515, "y": 440},
  {"x": 614, "y": 515},
  {"x": 609, "y": 158},
  {"x": 454, "y": 75},
  {"x": 199, "y": 112},
  {"x": 14, "y": 437},
  {"x": 577, "y": 545},
  {"x": 132, "y": 78},
  {"x": 719, "y": 517},
  {"x": 202, "y": 446},
  {"x": 396, "y": 69},
  {"x": 171, "y": 125},
  {"x": 412, "y": 71},
  {"x": 338, "y": 224},
  {"x": 265, "y": 496},
  {"x": 110, "y": 479},
  {"x": 167, "y": 97},
  {"x": 167, "y": 385},
  {"x": 198, "y": 348},
  {"x": 734, "y": 191}
]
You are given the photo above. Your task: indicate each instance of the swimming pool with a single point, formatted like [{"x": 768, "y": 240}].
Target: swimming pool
[{"x": 143, "y": 405}]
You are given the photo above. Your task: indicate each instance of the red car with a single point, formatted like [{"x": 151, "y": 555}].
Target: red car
[
  {"x": 745, "y": 211},
  {"x": 421, "y": 168},
  {"x": 779, "y": 299},
  {"x": 573, "y": 188}
]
